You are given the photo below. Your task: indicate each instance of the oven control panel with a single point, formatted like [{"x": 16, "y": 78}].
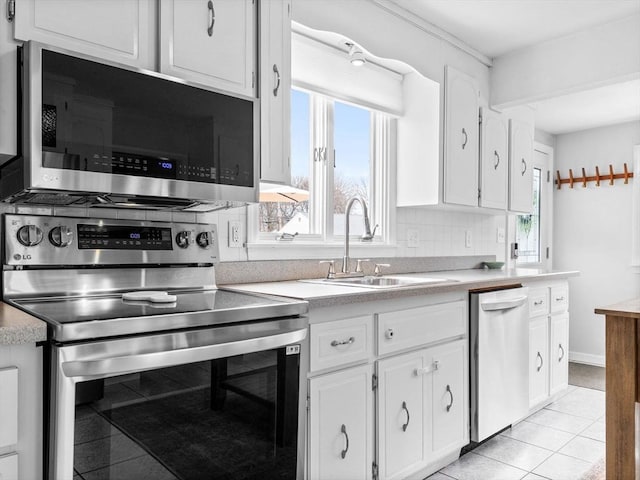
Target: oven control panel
[{"x": 47, "y": 240}]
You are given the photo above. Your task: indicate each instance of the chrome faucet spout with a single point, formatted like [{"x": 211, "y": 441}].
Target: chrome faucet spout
[{"x": 367, "y": 236}]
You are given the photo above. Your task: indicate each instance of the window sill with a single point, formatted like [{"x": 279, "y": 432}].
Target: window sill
[{"x": 296, "y": 250}]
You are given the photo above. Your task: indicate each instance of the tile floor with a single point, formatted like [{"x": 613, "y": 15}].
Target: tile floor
[{"x": 559, "y": 442}]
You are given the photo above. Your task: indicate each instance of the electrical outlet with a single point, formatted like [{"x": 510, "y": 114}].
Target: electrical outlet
[
  {"x": 500, "y": 235},
  {"x": 467, "y": 238},
  {"x": 235, "y": 237},
  {"x": 413, "y": 238}
]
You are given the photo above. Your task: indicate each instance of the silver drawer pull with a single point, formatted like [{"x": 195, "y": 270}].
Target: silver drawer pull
[
  {"x": 424, "y": 370},
  {"x": 343, "y": 430},
  {"x": 405, "y": 425},
  {"x": 559, "y": 299},
  {"x": 336, "y": 343},
  {"x": 539, "y": 302},
  {"x": 448, "y": 390},
  {"x": 541, "y": 362},
  {"x": 561, "y": 351}
]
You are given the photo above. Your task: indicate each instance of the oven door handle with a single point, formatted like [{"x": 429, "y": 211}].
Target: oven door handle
[{"x": 121, "y": 365}]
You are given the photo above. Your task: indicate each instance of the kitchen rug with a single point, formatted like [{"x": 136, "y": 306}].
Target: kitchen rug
[
  {"x": 587, "y": 376},
  {"x": 196, "y": 443}
]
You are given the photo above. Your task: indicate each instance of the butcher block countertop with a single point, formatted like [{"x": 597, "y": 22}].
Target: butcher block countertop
[
  {"x": 326, "y": 294},
  {"x": 17, "y": 327}
]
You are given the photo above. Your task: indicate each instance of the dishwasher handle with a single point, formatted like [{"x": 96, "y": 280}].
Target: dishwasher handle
[{"x": 506, "y": 304}]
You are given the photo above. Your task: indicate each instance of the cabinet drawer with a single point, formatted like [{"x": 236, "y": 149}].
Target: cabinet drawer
[
  {"x": 341, "y": 342},
  {"x": 560, "y": 298},
  {"x": 8, "y": 407},
  {"x": 538, "y": 301},
  {"x": 9, "y": 467},
  {"x": 420, "y": 326}
]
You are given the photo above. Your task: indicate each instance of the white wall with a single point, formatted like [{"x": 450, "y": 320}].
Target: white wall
[{"x": 592, "y": 231}]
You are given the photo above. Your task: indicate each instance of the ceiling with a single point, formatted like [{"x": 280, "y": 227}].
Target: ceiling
[{"x": 497, "y": 27}]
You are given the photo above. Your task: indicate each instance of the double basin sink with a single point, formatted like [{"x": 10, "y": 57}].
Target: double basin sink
[{"x": 387, "y": 281}]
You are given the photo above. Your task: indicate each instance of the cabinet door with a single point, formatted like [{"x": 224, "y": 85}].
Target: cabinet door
[
  {"x": 209, "y": 42},
  {"x": 404, "y": 412},
  {"x": 460, "y": 138},
  {"x": 8, "y": 407},
  {"x": 118, "y": 30},
  {"x": 275, "y": 90},
  {"x": 494, "y": 160},
  {"x": 520, "y": 166},
  {"x": 341, "y": 425},
  {"x": 559, "y": 352},
  {"x": 538, "y": 360},
  {"x": 449, "y": 396}
]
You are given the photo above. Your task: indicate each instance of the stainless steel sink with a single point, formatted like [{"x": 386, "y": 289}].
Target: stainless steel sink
[{"x": 380, "y": 282}]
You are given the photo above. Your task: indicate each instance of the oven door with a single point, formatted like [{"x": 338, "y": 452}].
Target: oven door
[{"x": 214, "y": 403}]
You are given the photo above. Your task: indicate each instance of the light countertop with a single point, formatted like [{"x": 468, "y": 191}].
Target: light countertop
[
  {"x": 628, "y": 308},
  {"x": 17, "y": 327},
  {"x": 323, "y": 295}
]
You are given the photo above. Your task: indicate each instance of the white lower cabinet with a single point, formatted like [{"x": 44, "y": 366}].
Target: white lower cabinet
[
  {"x": 538, "y": 360},
  {"x": 404, "y": 420},
  {"x": 396, "y": 411},
  {"x": 548, "y": 342},
  {"x": 341, "y": 425},
  {"x": 449, "y": 397},
  {"x": 559, "y": 353},
  {"x": 421, "y": 402}
]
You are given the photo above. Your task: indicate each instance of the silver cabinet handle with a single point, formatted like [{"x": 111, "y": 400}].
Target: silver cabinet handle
[
  {"x": 539, "y": 302},
  {"x": 405, "y": 425},
  {"x": 561, "y": 348},
  {"x": 275, "y": 70},
  {"x": 524, "y": 167},
  {"x": 337, "y": 343},
  {"x": 448, "y": 390},
  {"x": 389, "y": 334},
  {"x": 495, "y": 165},
  {"x": 466, "y": 138},
  {"x": 559, "y": 299},
  {"x": 541, "y": 362},
  {"x": 343, "y": 430},
  {"x": 424, "y": 370},
  {"x": 212, "y": 18}
]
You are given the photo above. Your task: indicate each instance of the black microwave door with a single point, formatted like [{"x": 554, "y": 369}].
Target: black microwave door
[{"x": 100, "y": 118}]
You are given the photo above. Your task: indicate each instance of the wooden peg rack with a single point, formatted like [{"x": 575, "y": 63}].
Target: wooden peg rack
[{"x": 610, "y": 177}]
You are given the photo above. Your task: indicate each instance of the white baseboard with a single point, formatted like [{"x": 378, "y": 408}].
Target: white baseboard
[{"x": 588, "y": 358}]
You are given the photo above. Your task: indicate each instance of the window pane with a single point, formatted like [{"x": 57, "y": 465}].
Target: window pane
[
  {"x": 286, "y": 211},
  {"x": 352, "y": 173},
  {"x": 528, "y": 226}
]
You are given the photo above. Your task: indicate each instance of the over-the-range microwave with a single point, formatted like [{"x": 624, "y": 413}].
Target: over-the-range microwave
[{"x": 99, "y": 133}]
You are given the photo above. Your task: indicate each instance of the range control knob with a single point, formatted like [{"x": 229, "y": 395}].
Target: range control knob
[
  {"x": 61, "y": 236},
  {"x": 204, "y": 239},
  {"x": 184, "y": 239},
  {"x": 29, "y": 235}
]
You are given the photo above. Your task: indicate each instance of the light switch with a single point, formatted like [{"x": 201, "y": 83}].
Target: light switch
[
  {"x": 500, "y": 235},
  {"x": 467, "y": 239},
  {"x": 413, "y": 238}
]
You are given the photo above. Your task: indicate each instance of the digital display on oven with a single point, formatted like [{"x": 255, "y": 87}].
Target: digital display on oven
[{"x": 116, "y": 237}]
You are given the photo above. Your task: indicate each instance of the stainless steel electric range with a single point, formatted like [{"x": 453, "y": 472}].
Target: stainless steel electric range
[{"x": 153, "y": 371}]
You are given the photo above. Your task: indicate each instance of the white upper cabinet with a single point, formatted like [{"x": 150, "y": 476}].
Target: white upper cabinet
[
  {"x": 119, "y": 30},
  {"x": 520, "y": 166},
  {"x": 461, "y": 138},
  {"x": 494, "y": 159},
  {"x": 275, "y": 90},
  {"x": 210, "y": 42}
]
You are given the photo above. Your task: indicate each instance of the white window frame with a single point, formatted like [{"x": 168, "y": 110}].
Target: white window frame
[
  {"x": 546, "y": 209},
  {"x": 382, "y": 186}
]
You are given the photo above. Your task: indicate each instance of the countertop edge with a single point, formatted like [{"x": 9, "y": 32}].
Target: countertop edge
[
  {"x": 20, "y": 328},
  {"x": 358, "y": 294},
  {"x": 628, "y": 309}
]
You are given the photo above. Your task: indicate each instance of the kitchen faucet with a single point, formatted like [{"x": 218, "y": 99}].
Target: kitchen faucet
[{"x": 367, "y": 236}]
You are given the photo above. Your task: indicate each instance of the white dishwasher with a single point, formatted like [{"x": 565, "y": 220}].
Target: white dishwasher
[{"x": 499, "y": 345}]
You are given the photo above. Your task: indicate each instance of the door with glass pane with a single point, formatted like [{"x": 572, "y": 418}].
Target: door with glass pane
[{"x": 533, "y": 229}]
